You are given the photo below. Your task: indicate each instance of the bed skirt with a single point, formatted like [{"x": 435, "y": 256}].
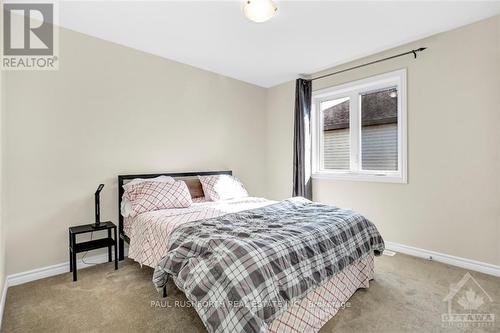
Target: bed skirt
[{"x": 321, "y": 304}]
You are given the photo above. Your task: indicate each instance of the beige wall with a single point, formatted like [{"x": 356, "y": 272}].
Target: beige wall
[
  {"x": 111, "y": 110},
  {"x": 452, "y": 201},
  {"x": 2, "y": 196},
  {"x": 279, "y": 152}
]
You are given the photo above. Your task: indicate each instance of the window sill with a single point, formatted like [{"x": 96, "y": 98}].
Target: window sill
[{"x": 361, "y": 177}]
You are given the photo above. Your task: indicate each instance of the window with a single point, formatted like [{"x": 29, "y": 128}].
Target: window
[{"x": 359, "y": 130}]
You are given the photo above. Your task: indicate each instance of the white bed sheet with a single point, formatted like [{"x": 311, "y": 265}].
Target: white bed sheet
[{"x": 149, "y": 232}]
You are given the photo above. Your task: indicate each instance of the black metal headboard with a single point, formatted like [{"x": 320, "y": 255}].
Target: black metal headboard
[{"x": 122, "y": 179}]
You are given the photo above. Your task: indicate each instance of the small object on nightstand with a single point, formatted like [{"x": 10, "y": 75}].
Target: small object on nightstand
[
  {"x": 98, "y": 206},
  {"x": 108, "y": 242}
]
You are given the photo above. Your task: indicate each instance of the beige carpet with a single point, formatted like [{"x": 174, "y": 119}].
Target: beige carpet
[{"x": 406, "y": 296}]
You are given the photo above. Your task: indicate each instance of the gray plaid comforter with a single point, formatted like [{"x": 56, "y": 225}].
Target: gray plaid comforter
[{"x": 241, "y": 270}]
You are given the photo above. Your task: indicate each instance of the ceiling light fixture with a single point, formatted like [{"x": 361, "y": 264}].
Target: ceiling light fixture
[{"x": 259, "y": 10}]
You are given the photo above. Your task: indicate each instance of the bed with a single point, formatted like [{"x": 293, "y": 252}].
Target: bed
[{"x": 175, "y": 243}]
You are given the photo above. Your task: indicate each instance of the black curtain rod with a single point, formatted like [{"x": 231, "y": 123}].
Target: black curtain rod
[{"x": 414, "y": 52}]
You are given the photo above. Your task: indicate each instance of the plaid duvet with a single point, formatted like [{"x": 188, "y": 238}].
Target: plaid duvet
[{"x": 241, "y": 270}]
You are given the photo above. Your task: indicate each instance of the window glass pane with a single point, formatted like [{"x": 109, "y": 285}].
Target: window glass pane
[
  {"x": 336, "y": 141},
  {"x": 379, "y": 130}
]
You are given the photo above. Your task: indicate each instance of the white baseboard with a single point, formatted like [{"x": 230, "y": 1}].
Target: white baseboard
[
  {"x": 470, "y": 264},
  {"x": 43, "y": 272},
  {"x": 40, "y": 273},
  {"x": 2, "y": 300}
]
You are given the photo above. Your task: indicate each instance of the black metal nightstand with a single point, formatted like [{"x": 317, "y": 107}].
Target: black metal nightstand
[{"x": 108, "y": 242}]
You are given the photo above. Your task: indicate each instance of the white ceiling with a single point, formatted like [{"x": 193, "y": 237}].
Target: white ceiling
[{"x": 305, "y": 36}]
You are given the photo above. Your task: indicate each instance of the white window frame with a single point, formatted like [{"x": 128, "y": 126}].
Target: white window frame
[{"x": 353, "y": 90}]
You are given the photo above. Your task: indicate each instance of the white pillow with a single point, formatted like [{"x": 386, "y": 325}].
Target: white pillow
[
  {"x": 126, "y": 206},
  {"x": 222, "y": 187},
  {"x": 151, "y": 196}
]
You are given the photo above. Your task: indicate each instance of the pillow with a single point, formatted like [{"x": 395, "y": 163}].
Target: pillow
[
  {"x": 126, "y": 206},
  {"x": 222, "y": 187},
  {"x": 161, "y": 179},
  {"x": 150, "y": 196}
]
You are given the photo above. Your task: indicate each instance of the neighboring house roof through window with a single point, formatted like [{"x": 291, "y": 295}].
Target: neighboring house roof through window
[{"x": 380, "y": 107}]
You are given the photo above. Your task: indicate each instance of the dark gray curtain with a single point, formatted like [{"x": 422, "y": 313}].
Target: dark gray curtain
[{"x": 302, "y": 127}]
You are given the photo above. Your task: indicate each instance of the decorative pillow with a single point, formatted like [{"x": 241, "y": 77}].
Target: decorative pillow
[
  {"x": 150, "y": 196},
  {"x": 222, "y": 187},
  {"x": 200, "y": 200},
  {"x": 126, "y": 208}
]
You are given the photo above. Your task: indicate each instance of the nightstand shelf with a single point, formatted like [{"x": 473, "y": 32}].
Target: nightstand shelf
[{"x": 95, "y": 244}]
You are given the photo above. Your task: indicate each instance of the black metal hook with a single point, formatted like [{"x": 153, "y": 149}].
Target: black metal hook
[{"x": 417, "y": 50}]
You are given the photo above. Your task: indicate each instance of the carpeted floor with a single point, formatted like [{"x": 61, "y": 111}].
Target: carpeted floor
[{"x": 406, "y": 296}]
